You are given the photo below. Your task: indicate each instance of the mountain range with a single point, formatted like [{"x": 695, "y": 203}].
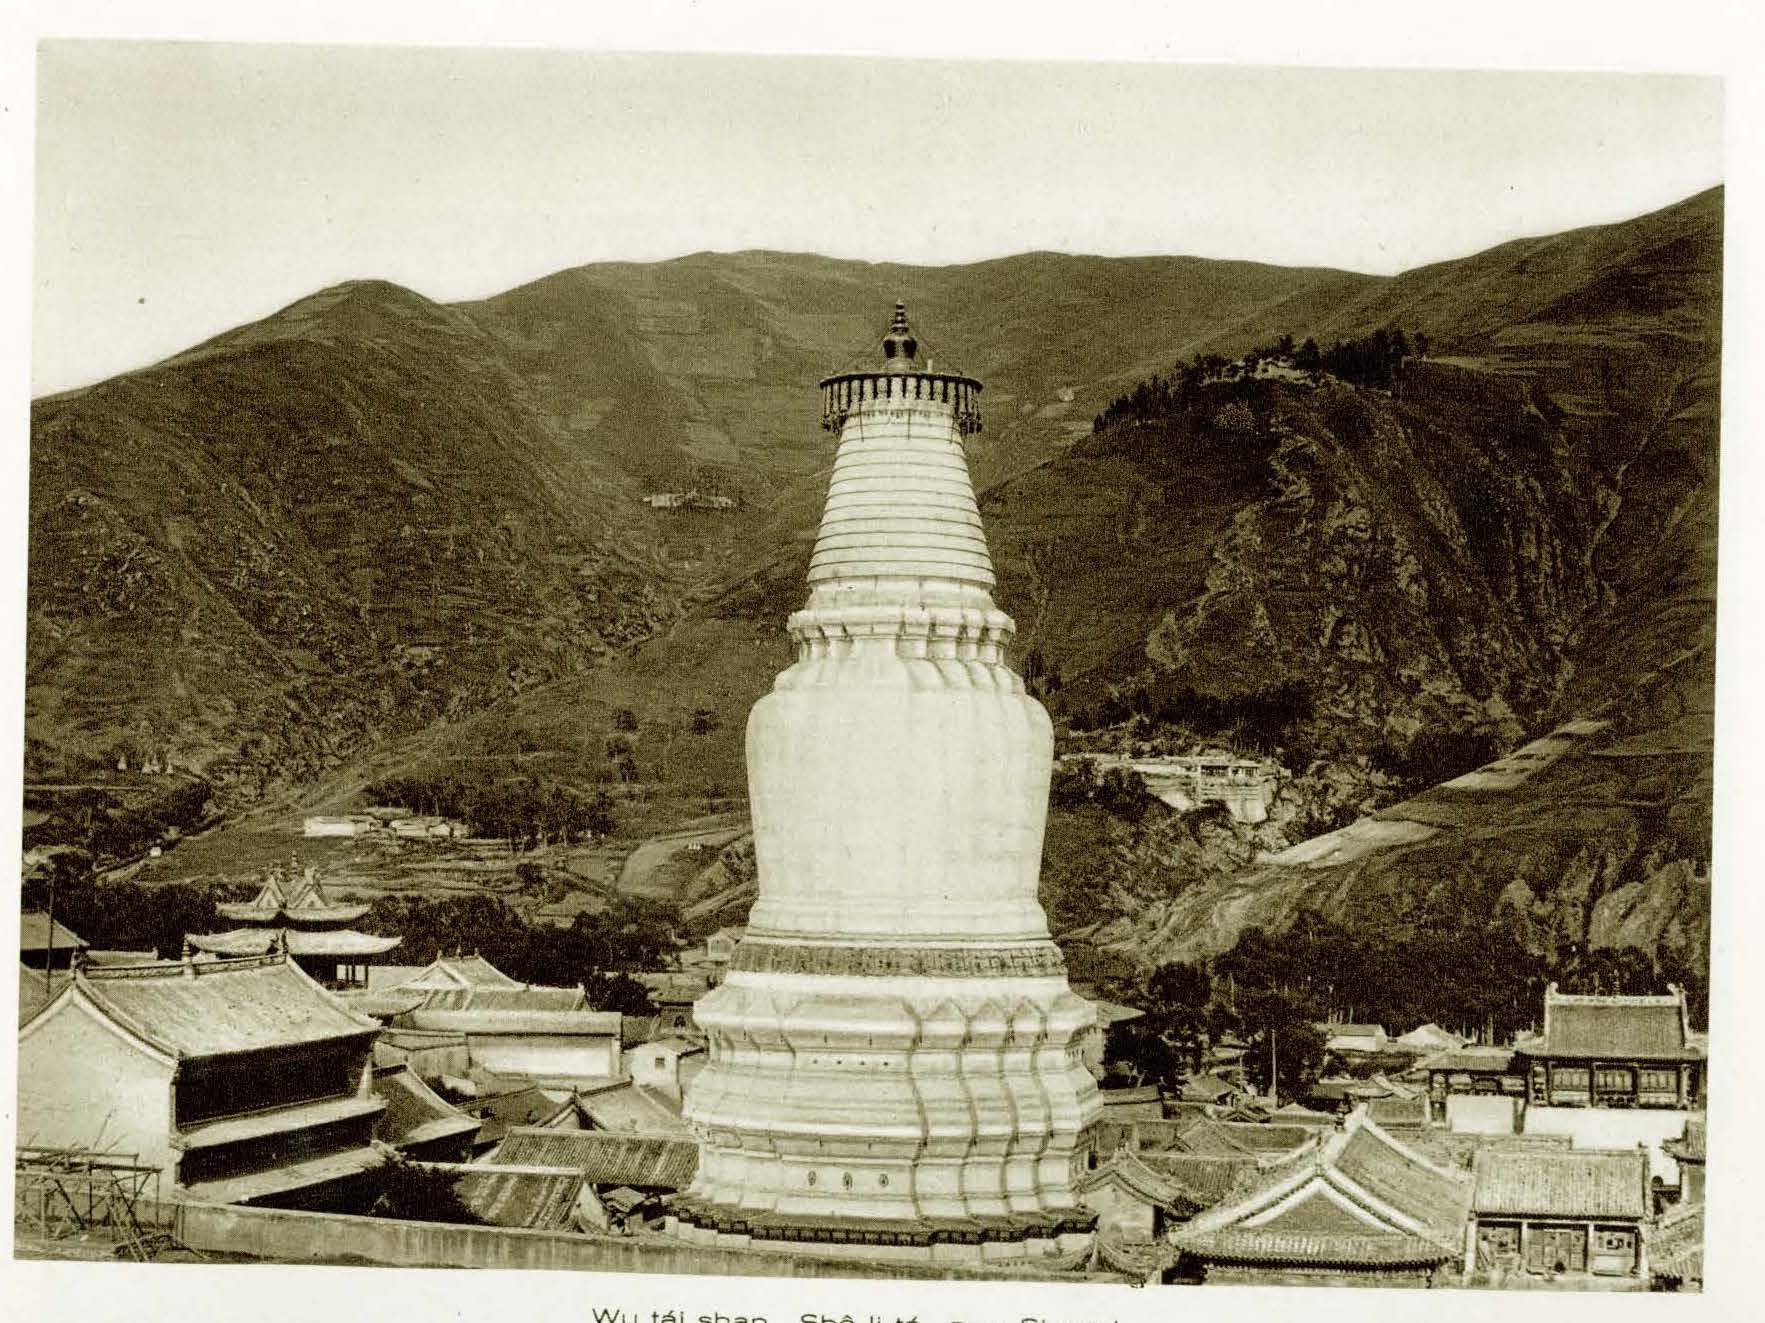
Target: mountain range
[{"x": 372, "y": 531}]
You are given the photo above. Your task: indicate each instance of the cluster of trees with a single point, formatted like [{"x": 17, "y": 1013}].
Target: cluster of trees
[
  {"x": 1270, "y": 990},
  {"x": 599, "y": 951},
  {"x": 1264, "y": 720},
  {"x": 517, "y": 810},
  {"x": 99, "y": 821},
  {"x": 1372, "y": 360},
  {"x": 1433, "y": 756},
  {"x": 1120, "y": 791},
  {"x": 125, "y": 916},
  {"x": 414, "y": 1192}
]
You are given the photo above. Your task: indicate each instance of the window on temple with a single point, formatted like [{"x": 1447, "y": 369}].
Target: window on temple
[
  {"x": 1659, "y": 1081},
  {"x": 1569, "y": 1077}
]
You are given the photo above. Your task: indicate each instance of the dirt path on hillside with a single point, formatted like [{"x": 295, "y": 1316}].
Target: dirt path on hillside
[{"x": 645, "y": 872}]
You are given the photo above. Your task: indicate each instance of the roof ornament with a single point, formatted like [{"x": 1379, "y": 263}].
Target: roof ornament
[{"x": 899, "y": 346}]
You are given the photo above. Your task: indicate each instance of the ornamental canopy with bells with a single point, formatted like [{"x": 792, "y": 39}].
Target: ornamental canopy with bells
[{"x": 900, "y": 378}]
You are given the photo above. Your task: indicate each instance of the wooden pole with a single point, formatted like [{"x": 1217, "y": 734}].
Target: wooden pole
[{"x": 49, "y": 955}]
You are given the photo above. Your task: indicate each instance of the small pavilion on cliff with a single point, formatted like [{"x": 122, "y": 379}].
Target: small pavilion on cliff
[{"x": 313, "y": 930}]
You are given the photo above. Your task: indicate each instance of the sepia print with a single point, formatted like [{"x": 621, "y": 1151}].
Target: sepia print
[{"x": 849, "y": 668}]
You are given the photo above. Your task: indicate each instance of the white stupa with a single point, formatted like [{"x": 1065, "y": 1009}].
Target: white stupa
[{"x": 895, "y": 1063}]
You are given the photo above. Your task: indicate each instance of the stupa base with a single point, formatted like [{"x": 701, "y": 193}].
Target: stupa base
[{"x": 1045, "y": 1241}]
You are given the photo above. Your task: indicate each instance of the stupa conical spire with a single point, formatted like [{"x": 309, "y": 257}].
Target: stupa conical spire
[{"x": 900, "y": 504}]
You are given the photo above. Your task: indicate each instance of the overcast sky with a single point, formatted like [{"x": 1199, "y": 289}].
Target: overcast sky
[{"x": 184, "y": 188}]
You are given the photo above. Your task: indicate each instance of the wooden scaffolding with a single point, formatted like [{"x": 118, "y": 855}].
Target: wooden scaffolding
[{"x": 64, "y": 1192}]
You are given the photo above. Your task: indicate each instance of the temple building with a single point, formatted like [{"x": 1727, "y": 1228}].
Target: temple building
[
  {"x": 1560, "y": 1213},
  {"x": 1613, "y": 1052},
  {"x": 241, "y": 1080},
  {"x": 528, "y": 1031},
  {"x": 313, "y": 929},
  {"x": 895, "y": 1057},
  {"x": 1364, "y": 1209}
]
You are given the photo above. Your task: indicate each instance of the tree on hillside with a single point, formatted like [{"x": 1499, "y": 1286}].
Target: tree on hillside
[
  {"x": 1610, "y": 971},
  {"x": 624, "y": 719},
  {"x": 705, "y": 720},
  {"x": 1139, "y": 1051},
  {"x": 1285, "y": 1046},
  {"x": 1178, "y": 1001},
  {"x": 598, "y": 816}
]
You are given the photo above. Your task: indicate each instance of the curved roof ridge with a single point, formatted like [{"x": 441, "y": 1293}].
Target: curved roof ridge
[{"x": 1359, "y": 1120}]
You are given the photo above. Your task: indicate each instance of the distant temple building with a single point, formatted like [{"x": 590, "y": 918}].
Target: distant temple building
[
  {"x": 895, "y": 1056},
  {"x": 312, "y": 929},
  {"x": 243, "y": 1081},
  {"x": 1244, "y": 787},
  {"x": 1613, "y": 1052}
]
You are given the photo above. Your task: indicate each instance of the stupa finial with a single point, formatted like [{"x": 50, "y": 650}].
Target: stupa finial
[{"x": 899, "y": 347}]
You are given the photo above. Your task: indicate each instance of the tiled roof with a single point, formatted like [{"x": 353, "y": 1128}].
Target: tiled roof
[
  {"x": 502, "y": 1112},
  {"x": 121, "y": 957},
  {"x": 33, "y": 996},
  {"x": 1299, "y": 1114},
  {"x": 1430, "y": 1038},
  {"x": 1109, "y": 1012},
  {"x": 221, "y": 1006},
  {"x": 288, "y": 1176},
  {"x": 1206, "y": 1088},
  {"x": 1361, "y": 1198},
  {"x": 534, "y": 1200},
  {"x": 33, "y": 933},
  {"x": 1147, "y": 1184},
  {"x": 288, "y": 1120},
  {"x": 1399, "y": 1111},
  {"x": 637, "y": 1029},
  {"x": 1250, "y": 1245},
  {"x": 257, "y": 941},
  {"x": 1209, "y": 1137},
  {"x": 1576, "y": 1183},
  {"x": 1400, "y": 1176},
  {"x": 666, "y": 1162},
  {"x": 472, "y": 971},
  {"x": 627, "y": 1106},
  {"x": 585, "y": 1024},
  {"x": 381, "y": 1003},
  {"x": 675, "y": 1044},
  {"x": 1677, "y": 1247},
  {"x": 1136, "y": 1094},
  {"x": 415, "y": 1113},
  {"x": 1208, "y": 1179},
  {"x": 1649, "y": 1028},
  {"x": 1689, "y": 1147},
  {"x": 532, "y": 997},
  {"x": 1268, "y": 1136},
  {"x": 1472, "y": 1057},
  {"x": 671, "y": 987},
  {"x": 304, "y": 897}
]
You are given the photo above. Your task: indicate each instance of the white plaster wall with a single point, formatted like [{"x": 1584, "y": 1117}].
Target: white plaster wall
[
  {"x": 1611, "y": 1127},
  {"x": 81, "y": 1084},
  {"x": 521, "y": 1054}
]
